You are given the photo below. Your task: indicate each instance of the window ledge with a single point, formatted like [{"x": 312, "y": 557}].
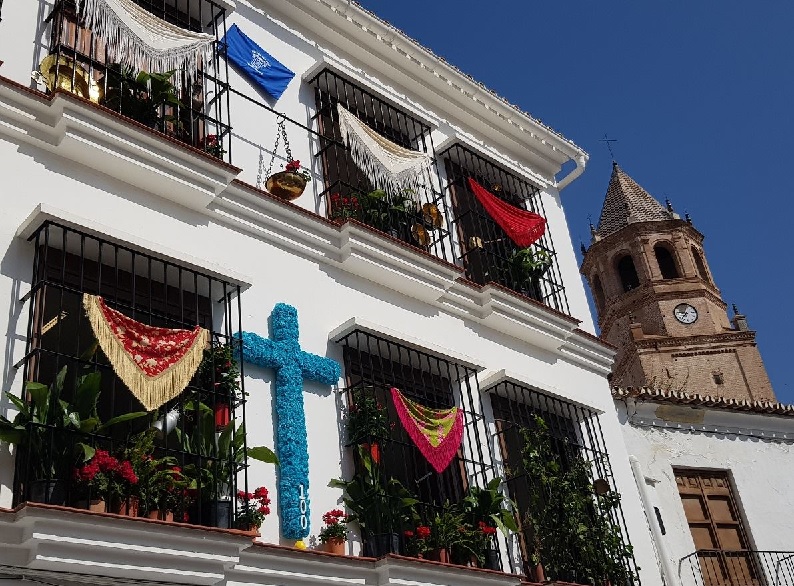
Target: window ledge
[
  {"x": 99, "y": 138},
  {"x": 54, "y": 538},
  {"x": 41, "y": 539}
]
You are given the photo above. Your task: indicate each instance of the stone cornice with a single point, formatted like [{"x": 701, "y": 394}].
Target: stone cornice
[
  {"x": 689, "y": 341},
  {"x": 149, "y": 161},
  {"x": 81, "y": 131},
  {"x": 707, "y": 401}
]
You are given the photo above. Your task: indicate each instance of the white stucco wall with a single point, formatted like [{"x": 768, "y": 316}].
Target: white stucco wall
[
  {"x": 755, "y": 450},
  {"x": 324, "y": 294}
]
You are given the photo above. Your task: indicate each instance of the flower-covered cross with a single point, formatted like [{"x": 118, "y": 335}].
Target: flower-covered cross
[{"x": 283, "y": 354}]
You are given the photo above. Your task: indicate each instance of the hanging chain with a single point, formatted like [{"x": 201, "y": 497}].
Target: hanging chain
[{"x": 281, "y": 134}]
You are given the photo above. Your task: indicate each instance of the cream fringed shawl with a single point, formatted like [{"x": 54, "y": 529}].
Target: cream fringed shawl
[
  {"x": 136, "y": 37},
  {"x": 386, "y": 164}
]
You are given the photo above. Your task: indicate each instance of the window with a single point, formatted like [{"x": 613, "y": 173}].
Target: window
[
  {"x": 69, "y": 263},
  {"x": 666, "y": 262},
  {"x": 598, "y": 294},
  {"x": 700, "y": 265},
  {"x": 719, "y": 379},
  {"x": 373, "y": 365},
  {"x": 87, "y": 71},
  {"x": 541, "y": 439},
  {"x": 627, "y": 273},
  {"x": 717, "y": 529},
  {"x": 487, "y": 252},
  {"x": 417, "y": 218}
]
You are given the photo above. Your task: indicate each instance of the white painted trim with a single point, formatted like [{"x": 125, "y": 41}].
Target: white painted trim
[
  {"x": 44, "y": 212},
  {"x": 355, "y": 323},
  {"x": 491, "y": 381}
]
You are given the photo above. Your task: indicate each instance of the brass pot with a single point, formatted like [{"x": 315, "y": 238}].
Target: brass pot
[{"x": 286, "y": 185}]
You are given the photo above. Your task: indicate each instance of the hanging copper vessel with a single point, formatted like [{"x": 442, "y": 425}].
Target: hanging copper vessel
[{"x": 286, "y": 185}]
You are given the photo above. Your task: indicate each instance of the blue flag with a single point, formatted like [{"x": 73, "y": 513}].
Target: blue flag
[{"x": 256, "y": 63}]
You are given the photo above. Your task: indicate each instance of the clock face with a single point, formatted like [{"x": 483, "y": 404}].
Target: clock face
[{"x": 685, "y": 313}]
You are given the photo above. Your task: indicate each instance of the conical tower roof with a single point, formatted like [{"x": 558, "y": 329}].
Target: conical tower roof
[{"x": 627, "y": 203}]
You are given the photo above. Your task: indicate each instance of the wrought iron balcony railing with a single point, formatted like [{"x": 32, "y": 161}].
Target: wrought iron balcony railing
[
  {"x": 82, "y": 437},
  {"x": 193, "y": 110},
  {"x": 712, "y": 567}
]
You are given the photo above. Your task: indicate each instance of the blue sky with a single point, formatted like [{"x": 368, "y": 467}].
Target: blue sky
[{"x": 699, "y": 96}]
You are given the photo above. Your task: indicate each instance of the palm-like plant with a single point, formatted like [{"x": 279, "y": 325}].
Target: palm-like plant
[{"x": 53, "y": 428}]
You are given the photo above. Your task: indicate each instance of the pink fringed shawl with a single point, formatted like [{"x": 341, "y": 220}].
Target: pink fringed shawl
[{"x": 437, "y": 433}]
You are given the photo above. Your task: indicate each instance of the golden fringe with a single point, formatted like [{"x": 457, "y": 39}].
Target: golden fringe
[{"x": 151, "y": 391}]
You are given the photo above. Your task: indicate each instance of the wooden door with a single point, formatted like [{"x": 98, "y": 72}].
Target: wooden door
[{"x": 716, "y": 528}]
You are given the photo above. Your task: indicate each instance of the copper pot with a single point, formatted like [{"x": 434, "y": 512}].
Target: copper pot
[{"x": 286, "y": 185}]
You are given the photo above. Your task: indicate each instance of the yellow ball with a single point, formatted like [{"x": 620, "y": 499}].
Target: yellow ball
[{"x": 300, "y": 545}]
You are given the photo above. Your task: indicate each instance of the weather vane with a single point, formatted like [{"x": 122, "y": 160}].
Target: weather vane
[{"x": 609, "y": 142}]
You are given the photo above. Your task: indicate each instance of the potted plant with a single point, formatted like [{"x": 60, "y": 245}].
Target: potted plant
[
  {"x": 391, "y": 213},
  {"x": 486, "y": 509},
  {"x": 217, "y": 457},
  {"x": 50, "y": 427},
  {"x": 105, "y": 479},
  {"x": 219, "y": 377},
  {"x": 333, "y": 535},
  {"x": 162, "y": 487},
  {"x": 576, "y": 539},
  {"x": 526, "y": 266},
  {"x": 447, "y": 530},
  {"x": 148, "y": 98},
  {"x": 289, "y": 183},
  {"x": 344, "y": 207},
  {"x": 417, "y": 542},
  {"x": 382, "y": 507},
  {"x": 367, "y": 421},
  {"x": 212, "y": 145},
  {"x": 254, "y": 507}
]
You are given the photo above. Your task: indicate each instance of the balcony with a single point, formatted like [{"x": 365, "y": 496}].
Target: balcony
[
  {"x": 86, "y": 439},
  {"x": 710, "y": 567},
  {"x": 191, "y": 108}
]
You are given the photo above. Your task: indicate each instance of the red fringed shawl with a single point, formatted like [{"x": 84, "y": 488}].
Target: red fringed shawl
[
  {"x": 521, "y": 226},
  {"x": 436, "y": 432}
]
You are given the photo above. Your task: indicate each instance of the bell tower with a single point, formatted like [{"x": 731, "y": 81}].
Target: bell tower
[{"x": 658, "y": 304}]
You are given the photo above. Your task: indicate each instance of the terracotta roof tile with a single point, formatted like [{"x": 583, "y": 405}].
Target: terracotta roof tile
[
  {"x": 698, "y": 400},
  {"x": 626, "y": 203}
]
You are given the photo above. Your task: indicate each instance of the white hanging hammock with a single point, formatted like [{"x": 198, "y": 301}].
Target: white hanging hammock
[
  {"x": 137, "y": 38},
  {"x": 386, "y": 164}
]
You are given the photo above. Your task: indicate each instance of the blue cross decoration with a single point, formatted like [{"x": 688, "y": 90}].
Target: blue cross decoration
[{"x": 283, "y": 354}]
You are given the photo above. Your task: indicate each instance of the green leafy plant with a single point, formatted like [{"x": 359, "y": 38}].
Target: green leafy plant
[
  {"x": 447, "y": 528},
  {"x": 335, "y": 522},
  {"x": 219, "y": 372},
  {"x": 55, "y": 427},
  {"x": 161, "y": 484},
  {"x": 525, "y": 264},
  {"x": 575, "y": 537},
  {"x": 488, "y": 505},
  {"x": 378, "y": 505},
  {"x": 145, "y": 97},
  {"x": 222, "y": 454},
  {"x": 387, "y": 211},
  {"x": 367, "y": 419}
]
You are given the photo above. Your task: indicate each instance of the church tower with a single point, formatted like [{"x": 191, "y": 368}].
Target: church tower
[{"x": 658, "y": 304}]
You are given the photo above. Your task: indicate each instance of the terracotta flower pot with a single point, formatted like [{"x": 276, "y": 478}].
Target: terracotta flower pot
[
  {"x": 126, "y": 506},
  {"x": 97, "y": 505},
  {"x": 247, "y": 527},
  {"x": 335, "y": 545},
  {"x": 286, "y": 185},
  {"x": 167, "y": 516},
  {"x": 439, "y": 555}
]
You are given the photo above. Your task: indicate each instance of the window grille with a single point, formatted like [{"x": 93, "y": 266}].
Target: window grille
[
  {"x": 203, "y": 108},
  {"x": 483, "y": 247},
  {"x": 372, "y": 366},
  {"x": 68, "y": 263},
  {"x": 575, "y": 435},
  {"x": 424, "y": 223}
]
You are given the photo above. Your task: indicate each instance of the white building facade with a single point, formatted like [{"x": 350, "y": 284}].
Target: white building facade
[
  {"x": 421, "y": 299},
  {"x": 715, "y": 472}
]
